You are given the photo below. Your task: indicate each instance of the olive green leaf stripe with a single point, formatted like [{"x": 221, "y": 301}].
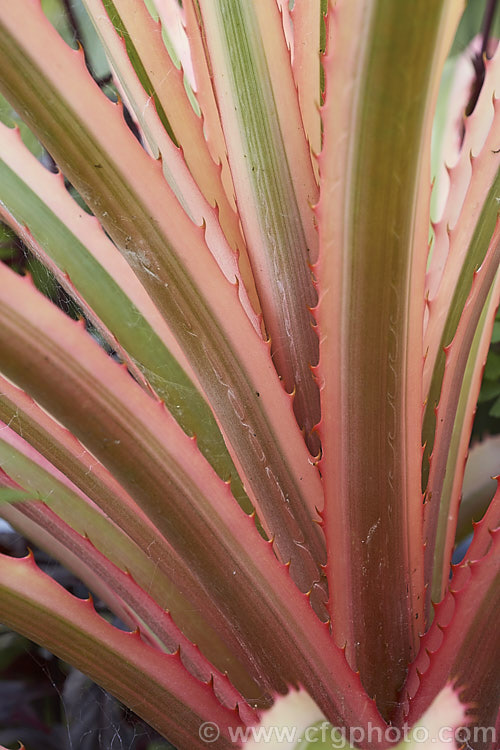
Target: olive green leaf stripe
[
  {"x": 141, "y": 444},
  {"x": 119, "y": 314},
  {"x": 154, "y": 685},
  {"x": 128, "y": 193},
  {"x": 461, "y": 373},
  {"x": 138, "y": 66},
  {"x": 274, "y": 182},
  {"x": 476, "y": 252},
  {"x": 382, "y": 70},
  {"x": 451, "y": 494}
]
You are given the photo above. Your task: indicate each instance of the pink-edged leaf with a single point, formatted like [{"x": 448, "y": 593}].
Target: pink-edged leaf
[
  {"x": 371, "y": 270},
  {"x": 307, "y": 19},
  {"x": 50, "y": 189},
  {"x": 431, "y": 640},
  {"x": 472, "y": 179},
  {"x": 64, "y": 281},
  {"x": 153, "y": 563},
  {"x": 126, "y": 188},
  {"x": 274, "y": 182},
  {"x": 462, "y": 238},
  {"x": 472, "y": 211},
  {"x": 97, "y": 423},
  {"x": 74, "y": 462},
  {"x": 173, "y": 22},
  {"x": 163, "y": 83},
  {"x": 481, "y": 540},
  {"x": 288, "y": 27},
  {"x": 155, "y": 87},
  {"x": 36, "y": 522},
  {"x": 462, "y": 645},
  {"x": 118, "y": 589},
  {"x": 158, "y": 569},
  {"x": 448, "y": 133},
  {"x": 259, "y": 605},
  {"x": 134, "y": 605},
  {"x": 471, "y": 495},
  {"x": 71, "y": 243},
  {"x": 154, "y": 685},
  {"x": 205, "y": 95},
  {"x": 454, "y": 416}
]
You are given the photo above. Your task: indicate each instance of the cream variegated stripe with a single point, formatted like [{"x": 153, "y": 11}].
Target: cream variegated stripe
[
  {"x": 58, "y": 228},
  {"x": 127, "y": 190},
  {"x": 274, "y": 181},
  {"x": 162, "y": 469}
]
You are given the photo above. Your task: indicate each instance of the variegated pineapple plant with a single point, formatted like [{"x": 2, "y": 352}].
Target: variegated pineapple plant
[{"x": 270, "y": 464}]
